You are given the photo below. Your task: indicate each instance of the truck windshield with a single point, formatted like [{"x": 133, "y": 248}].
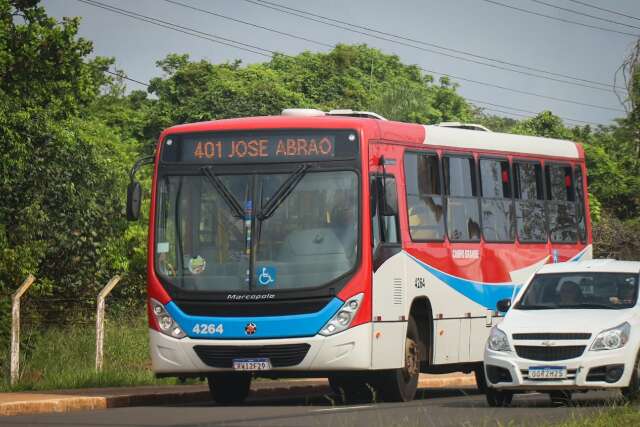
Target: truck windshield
[
  {"x": 211, "y": 236},
  {"x": 580, "y": 290}
]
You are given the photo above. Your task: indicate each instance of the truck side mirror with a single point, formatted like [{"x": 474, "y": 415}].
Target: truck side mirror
[
  {"x": 503, "y": 305},
  {"x": 134, "y": 199}
]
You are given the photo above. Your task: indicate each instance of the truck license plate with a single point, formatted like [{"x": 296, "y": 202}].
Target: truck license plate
[{"x": 547, "y": 372}]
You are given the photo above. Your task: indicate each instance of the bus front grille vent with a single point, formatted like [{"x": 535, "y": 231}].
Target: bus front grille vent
[
  {"x": 397, "y": 290},
  {"x": 221, "y": 356}
]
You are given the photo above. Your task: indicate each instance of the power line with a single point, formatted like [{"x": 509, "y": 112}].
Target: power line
[
  {"x": 177, "y": 3},
  {"x": 603, "y": 9},
  {"x": 170, "y": 25},
  {"x": 174, "y": 27},
  {"x": 577, "y": 12},
  {"x": 477, "y": 101},
  {"x": 350, "y": 27},
  {"x": 561, "y": 19},
  {"x": 122, "y": 76}
]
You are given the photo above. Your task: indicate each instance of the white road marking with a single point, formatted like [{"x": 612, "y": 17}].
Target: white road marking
[{"x": 342, "y": 408}]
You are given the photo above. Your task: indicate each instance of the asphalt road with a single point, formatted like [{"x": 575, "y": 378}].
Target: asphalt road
[{"x": 431, "y": 408}]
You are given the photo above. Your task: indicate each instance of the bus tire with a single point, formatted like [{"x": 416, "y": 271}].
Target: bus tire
[
  {"x": 229, "y": 388},
  {"x": 352, "y": 388},
  {"x": 481, "y": 379},
  {"x": 400, "y": 385}
]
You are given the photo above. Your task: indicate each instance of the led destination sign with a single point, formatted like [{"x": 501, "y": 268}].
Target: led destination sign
[{"x": 254, "y": 147}]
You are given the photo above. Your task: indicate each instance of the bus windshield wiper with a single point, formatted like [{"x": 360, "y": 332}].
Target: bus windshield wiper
[
  {"x": 224, "y": 192},
  {"x": 283, "y": 192}
]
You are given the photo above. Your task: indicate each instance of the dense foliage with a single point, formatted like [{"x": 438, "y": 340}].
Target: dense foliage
[{"x": 70, "y": 132}]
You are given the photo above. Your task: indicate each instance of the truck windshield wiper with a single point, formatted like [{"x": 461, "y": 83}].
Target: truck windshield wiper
[
  {"x": 534, "y": 307},
  {"x": 224, "y": 192},
  {"x": 588, "y": 305},
  {"x": 283, "y": 192}
]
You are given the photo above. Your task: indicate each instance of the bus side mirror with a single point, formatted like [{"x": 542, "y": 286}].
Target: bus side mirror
[
  {"x": 134, "y": 198},
  {"x": 503, "y": 305}
]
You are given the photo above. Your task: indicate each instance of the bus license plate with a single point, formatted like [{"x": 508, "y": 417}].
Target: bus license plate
[
  {"x": 547, "y": 372},
  {"x": 261, "y": 364}
]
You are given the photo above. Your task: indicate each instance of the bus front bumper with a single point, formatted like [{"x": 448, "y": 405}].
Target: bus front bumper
[{"x": 347, "y": 350}]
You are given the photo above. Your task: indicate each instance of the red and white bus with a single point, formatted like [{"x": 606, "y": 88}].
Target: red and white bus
[{"x": 347, "y": 246}]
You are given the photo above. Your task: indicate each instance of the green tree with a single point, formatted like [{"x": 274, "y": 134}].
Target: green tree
[{"x": 62, "y": 171}]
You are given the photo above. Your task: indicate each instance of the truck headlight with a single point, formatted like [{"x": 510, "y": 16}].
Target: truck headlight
[
  {"x": 166, "y": 324},
  {"x": 343, "y": 318},
  {"x": 613, "y": 338},
  {"x": 498, "y": 340}
]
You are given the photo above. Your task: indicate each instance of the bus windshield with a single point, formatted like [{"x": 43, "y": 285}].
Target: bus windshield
[{"x": 212, "y": 233}]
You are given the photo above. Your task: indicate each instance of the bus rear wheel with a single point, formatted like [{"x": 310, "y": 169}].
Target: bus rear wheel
[
  {"x": 400, "y": 385},
  {"x": 229, "y": 388}
]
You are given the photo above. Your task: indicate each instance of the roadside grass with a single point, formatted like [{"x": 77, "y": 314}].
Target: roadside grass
[
  {"x": 63, "y": 357},
  {"x": 624, "y": 415}
]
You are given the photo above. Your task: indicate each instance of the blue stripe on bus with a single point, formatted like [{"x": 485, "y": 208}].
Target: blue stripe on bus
[
  {"x": 289, "y": 326},
  {"x": 484, "y": 294}
]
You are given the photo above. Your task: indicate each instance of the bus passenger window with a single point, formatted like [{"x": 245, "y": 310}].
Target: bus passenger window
[
  {"x": 530, "y": 210},
  {"x": 463, "y": 214},
  {"x": 424, "y": 197},
  {"x": 581, "y": 210},
  {"x": 561, "y": 206},
  {"x": 497, "y": 207}
]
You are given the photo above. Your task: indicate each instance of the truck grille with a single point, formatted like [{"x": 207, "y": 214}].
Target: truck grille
[
  {"x": 221, "y": 356},
  {"x": 534, "y": 352},
  {"x": 552, "y": 336}
]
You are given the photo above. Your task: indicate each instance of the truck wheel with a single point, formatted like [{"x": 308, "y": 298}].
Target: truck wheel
[
  {"x": 560, "y": 398},
  {"x": 229, "y": 388},
  {"x": 400, "y": 385},
  {"x": 632, "y": 391},
  {"x": 498, "y": 398},
  {"x": 352, "y": 388}
]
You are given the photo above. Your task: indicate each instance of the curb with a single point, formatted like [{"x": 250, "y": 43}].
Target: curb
[{"x": 12, "y": 404}]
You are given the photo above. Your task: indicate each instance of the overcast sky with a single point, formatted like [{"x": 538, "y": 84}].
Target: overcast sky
[{"x": 479, "y": 27}]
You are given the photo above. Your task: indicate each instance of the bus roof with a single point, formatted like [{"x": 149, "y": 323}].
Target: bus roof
[
  {"x": 495, "y": 141},
  {"x": 397, "y": 131}
]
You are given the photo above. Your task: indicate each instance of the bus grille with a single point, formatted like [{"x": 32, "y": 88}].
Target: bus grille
[
  {"x": 534, "y": 352},
  {"x": 221, "y": 356}
]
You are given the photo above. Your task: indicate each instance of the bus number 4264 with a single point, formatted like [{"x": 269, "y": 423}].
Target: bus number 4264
[{"x": 207, "y": 328}]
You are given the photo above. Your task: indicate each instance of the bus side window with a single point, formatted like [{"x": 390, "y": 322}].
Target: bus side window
[
  {"x": 463, "y": 212},
  {"x": 384, "y": 220},
  {"x": 424, "y": 197},
  {"x": 581, "y": 210},
  {"x": 561, "y": 207},
  {"x": 497, "y": 205},
  {"x": 530, "y": 209}
]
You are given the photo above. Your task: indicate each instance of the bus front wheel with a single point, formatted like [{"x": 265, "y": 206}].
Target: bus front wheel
[
  {"x": 229, "y": 388},
  {"x": 400, "y": 385}
]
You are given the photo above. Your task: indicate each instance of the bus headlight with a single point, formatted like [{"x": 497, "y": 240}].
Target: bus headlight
[
  {"x": 166, "y": 324},
  {"x": 343, "y": 318},
  {"x": 613, "y": 338}
]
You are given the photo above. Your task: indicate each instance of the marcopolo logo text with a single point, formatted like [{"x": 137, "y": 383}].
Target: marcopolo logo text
[{"x": 245, "y": 297}]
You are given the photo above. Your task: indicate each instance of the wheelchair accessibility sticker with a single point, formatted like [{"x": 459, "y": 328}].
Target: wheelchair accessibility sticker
[{"x": 266, "y": 276}]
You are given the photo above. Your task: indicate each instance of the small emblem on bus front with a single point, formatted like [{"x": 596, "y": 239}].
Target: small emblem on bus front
[{"x": 250, "y": 329}]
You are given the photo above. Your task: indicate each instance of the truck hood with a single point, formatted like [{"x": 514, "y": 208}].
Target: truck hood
[{"x": 563, "y": 320}]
